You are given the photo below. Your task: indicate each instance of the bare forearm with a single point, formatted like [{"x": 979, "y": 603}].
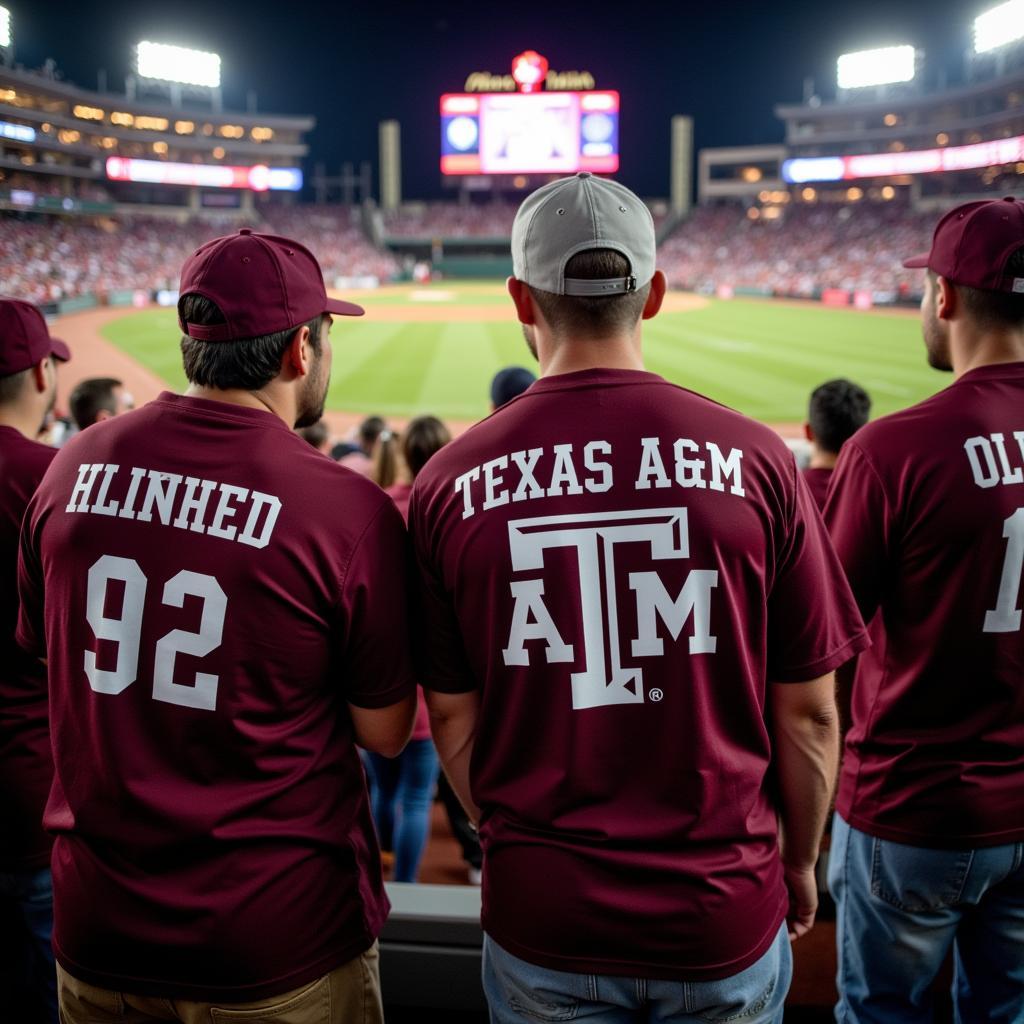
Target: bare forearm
[
  {"x": 453, "y": 726},
  {"x": 806, "y": 757}
]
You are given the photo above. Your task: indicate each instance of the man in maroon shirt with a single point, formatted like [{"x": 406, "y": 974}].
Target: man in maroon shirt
[
  {"x": 223, "y": 610},
  {"x": 837, "y": 410},
  {"x": 630, "y": 615},
  {"x": 28, "y": 387},
  {"x": 926, "y": 509}
]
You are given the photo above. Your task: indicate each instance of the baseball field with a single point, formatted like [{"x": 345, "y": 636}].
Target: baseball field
[{"x": 434, "y": 349}]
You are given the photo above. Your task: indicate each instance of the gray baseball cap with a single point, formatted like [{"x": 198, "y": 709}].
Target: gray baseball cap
[{"x": 574, "y": 215}]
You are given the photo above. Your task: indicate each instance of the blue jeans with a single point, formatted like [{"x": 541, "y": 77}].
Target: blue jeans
[
  {"x": 27, "y": 969},
  {"x": 402, "y": 789},
  {"x": 520, "y": 991},
  {"x": 899, "y": 910}
]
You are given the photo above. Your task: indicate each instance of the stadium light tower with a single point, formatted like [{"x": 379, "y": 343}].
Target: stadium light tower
[
  {"x": 6, "y": 38},
  {"x": 175, "y": 69},
  {"x": 889, "y": 65},
  {"x": 999, "y": 26}
]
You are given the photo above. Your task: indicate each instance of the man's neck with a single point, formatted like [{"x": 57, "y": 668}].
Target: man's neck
[
  {"x": 821, "y": 460},
  {"x": 618, "y": 353},
  {"x": 25, "y": 421},
  {"x": 263, "y": 400},
  {"x": 991, "y": 348}
]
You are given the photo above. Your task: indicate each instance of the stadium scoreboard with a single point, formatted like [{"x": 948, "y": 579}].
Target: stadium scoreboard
[{"x": 532, "y": 130}]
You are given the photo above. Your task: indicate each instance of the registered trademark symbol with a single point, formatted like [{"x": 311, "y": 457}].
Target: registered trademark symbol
[{"x": 655, "y": 695}]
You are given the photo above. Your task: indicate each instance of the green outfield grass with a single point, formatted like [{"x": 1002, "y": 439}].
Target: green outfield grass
[{"x": 757, "y": 356}]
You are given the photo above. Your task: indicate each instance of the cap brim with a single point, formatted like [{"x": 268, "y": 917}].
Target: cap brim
[
  {"x": 917, "y": 262},
  {"x": 344, "y": 308},
  {"x": 59, "y": 349}
]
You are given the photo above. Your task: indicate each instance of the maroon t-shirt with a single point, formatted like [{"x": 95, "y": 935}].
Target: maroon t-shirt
[
  {"x": 26, "y": 767},
  {"x": 215, "y": 592},
  {"x": 620, "y": 566},
  {"x": 927, "y": 514},
  {"x": 817, "y": 481}
]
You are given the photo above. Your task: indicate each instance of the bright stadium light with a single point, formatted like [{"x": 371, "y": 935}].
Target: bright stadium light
[
  {"x": 885, "y": 66},
  {"x": 178, "y": 64},
  {"x": 5, "y": 27},
  {"x": 999, "y": 26}
]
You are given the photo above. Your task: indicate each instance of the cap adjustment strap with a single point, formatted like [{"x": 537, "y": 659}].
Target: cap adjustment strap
[{"x": 603, "y": 286}]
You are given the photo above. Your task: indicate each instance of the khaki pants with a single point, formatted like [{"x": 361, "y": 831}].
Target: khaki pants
[{"x": 350, "y": 994}]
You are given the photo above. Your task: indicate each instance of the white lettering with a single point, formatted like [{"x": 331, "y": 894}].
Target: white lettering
[
  {"x": 193, "y": 506},
  {"x": 128, "y": 505},
  {"x": 590, "y": 453},
  {"x": 98, "y": 506},
  {"x": 259, "y": 502},
  {"x": 463, "y": 484},
  {"x": 1015, "y": 476},
  {"x": 225, "y": 510},
  {"x": 531, "y": 620},
  {"x": 87, "y": 473},
  {"x": 525, "y": 463},
  {"x": 688, "y": 471},
  {"x": 563, "y": 473},
  {"x": 651, "y": 466},
  {"x": 972, "y": 446},
  {"x": 653, "y": 602},
  {"x": 492, "y": 496},
  {"x": 160, "y": 490},
  {"x": 725, "y": 467}
]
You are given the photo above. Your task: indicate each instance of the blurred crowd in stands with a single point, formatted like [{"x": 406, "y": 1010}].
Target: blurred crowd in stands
[
  {"x": 804, "y": 250},
  {"x": 807, "y": 249}
]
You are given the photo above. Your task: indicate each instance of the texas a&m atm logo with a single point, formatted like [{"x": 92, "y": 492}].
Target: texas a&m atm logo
[{"x": 604, "y": 680}]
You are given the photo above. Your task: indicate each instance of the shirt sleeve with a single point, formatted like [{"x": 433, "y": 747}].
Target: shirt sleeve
[
  {"x": 374, "y": 613},
  {"x": 439, "y": 651},
  {"x": 30, "y": 634},
  {"x": 813, "y": 622},
  {"x": 859, "y": 518}
]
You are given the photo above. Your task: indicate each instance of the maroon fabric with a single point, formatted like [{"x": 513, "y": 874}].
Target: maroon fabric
[
  {"x": 972, "y": 243},
  {"x": 212, "y": 846},
  {"x": 261, "y": 283},
  {"x": 25, "y": 338},
  {"x": 400, "y": 494},
  {"x": 929, "y": 541},
  {"x": 622, "y": 765},
  {"x": 26, "y": 767},
  {"x": 817, "y": 481}
]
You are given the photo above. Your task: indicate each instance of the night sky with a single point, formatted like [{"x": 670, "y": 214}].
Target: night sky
[{"x": 351, "y": 65}]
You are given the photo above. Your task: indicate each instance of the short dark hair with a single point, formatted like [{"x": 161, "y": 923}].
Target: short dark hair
[
  {"x": 422, "y": 439},
  {"x": 997, "y": 309},
  {"x": 11, "y": 385},
  {"x": 370, "y": 429},
  {"x": 315, "y": 434},
  {"x": 595, "y": 316},
  {"x": 838, "y": 409},
  {"x": 249, "y": 364},
  {"x": 90, "y": 397}
]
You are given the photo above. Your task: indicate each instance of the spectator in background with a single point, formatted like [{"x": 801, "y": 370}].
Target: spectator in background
[
  {"x": 315, "y": 434},
  {"x": 28, "y": 387},
  {"x": 925, "y": 511},
  {"x": 403, "y": 787},
  {"x": 387, "y": 459},
  {"x": 508, "y": 384},
  {"x": 838, "y": 409},
  {"x": 361, "y": 460},
  {"x": 98, "y": 398}
]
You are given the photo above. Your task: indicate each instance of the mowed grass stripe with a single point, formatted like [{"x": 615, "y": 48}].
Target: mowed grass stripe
[{"x": 760, "y": 357}]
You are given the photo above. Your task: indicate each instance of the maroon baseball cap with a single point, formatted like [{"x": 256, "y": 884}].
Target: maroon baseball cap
[
  {"x": 261, "y": 283},
  {"x": 973, "y": 243},
  {"x": 25, "y": 338}
]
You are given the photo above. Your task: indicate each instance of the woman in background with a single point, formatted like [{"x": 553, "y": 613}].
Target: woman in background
[{"x": 403, "y": 787}]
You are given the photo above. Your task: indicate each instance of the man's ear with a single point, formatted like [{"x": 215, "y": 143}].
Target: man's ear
[
  {"x": 41, "y": 375},
  {"x": 655, "y": 296},
  {"x": 946, "y": 299},
  {"x": 102, "y": 414},
  {"x": 520, "y": 292},
  {"x": 298, "y": 357}
]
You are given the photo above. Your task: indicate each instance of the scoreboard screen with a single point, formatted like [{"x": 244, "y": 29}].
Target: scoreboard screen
[{"x": 530, "y": 133}]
